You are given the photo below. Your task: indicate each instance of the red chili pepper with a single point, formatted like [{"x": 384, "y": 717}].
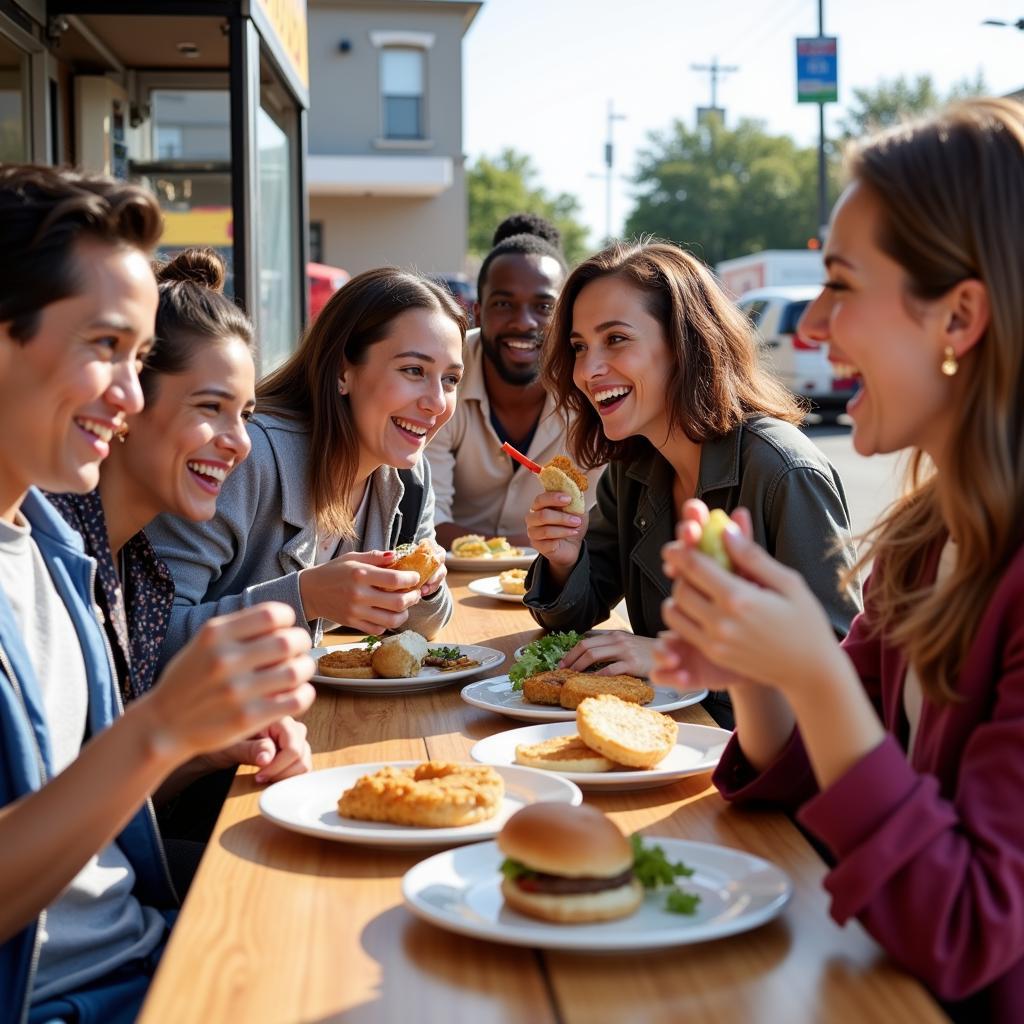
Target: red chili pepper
[{"x": 521, "y": 458}]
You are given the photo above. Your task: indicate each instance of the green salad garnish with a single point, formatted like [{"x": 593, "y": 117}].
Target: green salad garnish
[
  {"x": 542, "y": 655},
  {"x": 444, "y": 653},
  {"x": 372, "y": 641},
  {"x": 655, "y": 871}
]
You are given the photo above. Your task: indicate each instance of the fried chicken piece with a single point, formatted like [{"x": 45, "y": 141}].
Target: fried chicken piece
[
  {"x": 435, "y": 794},
  {"x": 581, "y": 685},
  {"x": 545, "y": 687}
]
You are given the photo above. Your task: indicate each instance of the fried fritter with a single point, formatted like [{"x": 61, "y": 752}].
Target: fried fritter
[
  {"x": 581, "y": 685},
  {"x": 545, "y": 687},
  {"x": 346, "y": 664},
  {"x": 435, "y": 794}
]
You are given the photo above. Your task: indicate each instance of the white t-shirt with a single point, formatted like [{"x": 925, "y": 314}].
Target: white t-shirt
[{"x": 96, "y": 924}]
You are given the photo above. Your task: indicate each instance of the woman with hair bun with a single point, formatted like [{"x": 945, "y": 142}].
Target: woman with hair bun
[
  {"x": 197, "y": 383},
  {"x": 903, "y": 749},
  {"x": 337, "y": 479}
]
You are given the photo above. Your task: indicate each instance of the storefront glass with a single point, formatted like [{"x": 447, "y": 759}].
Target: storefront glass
[{"x": 13, "y": 103}]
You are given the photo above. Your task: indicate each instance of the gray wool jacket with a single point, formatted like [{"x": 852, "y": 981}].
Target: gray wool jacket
[{"x": 264, "y": 534}]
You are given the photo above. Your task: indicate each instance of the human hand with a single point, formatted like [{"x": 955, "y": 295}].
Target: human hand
[
  {"x": 434, "y": 583},
  {"x": 279, "y": 751},
  {"x": 556, "y": 534},
  {"x": 625, "y": 653},
  {"x": 759, "y": 623},
  {"x": 240, "y": 674},
  {"x": 357, "y": 589}
]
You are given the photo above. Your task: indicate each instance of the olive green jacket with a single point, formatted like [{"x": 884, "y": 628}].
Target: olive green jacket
[{"x": 796, "y": 502}]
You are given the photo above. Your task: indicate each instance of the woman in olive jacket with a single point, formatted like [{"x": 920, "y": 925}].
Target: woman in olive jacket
[{"x": 660, "y": 371}]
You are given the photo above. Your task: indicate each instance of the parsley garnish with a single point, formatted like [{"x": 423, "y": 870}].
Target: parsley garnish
[
  {"x": 445, "y": 653},
  {"x": 655, "y": 871},
  {"x": 372, "y": 641}
]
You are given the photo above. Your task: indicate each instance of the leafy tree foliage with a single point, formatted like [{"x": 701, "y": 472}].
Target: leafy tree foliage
[
  {"x": 724, "y": 192},
  {"x": 507, "y": 184},
  {"x": 896, "y": 99}
]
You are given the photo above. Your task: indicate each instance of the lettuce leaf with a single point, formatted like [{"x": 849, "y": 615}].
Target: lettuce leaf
[{"x": 542, "y": 655}]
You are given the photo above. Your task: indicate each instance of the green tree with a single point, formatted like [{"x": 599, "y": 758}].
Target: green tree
[
  {"x": 893, "y": 100},
  {"x": 507, "y": 184},
  {"x": 726, "y": 192}
]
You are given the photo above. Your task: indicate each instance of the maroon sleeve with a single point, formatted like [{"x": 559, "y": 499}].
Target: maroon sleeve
[{"x": 940, "y": 882}]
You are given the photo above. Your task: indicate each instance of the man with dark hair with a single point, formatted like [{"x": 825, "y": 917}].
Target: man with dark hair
[
  {"x": 478, "y": 488},
  {"x": 85, "y": 900}
]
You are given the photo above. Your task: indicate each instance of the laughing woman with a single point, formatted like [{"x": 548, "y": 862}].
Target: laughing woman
[
  {"x": 197, "y": 383},
  {"x": 659, "y": 370},
  {"x": 904, "y": 748},
  {"x": 336, "y": 478}
]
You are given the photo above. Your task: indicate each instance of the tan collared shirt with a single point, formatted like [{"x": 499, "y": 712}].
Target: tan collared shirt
[{"x": 474, "y": 484}]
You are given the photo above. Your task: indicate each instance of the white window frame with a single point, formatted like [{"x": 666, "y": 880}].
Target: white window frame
[{"x": 399, "y": 40}]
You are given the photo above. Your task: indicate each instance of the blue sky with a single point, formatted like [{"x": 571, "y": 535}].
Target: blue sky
[{"x": 539, "y": 73}]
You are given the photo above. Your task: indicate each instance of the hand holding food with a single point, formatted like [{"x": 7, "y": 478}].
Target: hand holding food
[
  {"x": 360, "y": 589},
  {"x": 423, "y": 559},
  {"x": 241, "y": 673},
  {"x": 567, "y": 865}
]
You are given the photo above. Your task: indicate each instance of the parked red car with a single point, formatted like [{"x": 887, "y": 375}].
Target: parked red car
[{"x": 323, "y": 281}]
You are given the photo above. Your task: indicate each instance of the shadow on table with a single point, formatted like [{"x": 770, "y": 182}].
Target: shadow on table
[{"x": 262, "y": 842}]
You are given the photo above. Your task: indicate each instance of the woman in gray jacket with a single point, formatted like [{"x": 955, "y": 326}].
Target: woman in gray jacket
[
  {"x": 659, "y": 370},
  {"x": 336, "y": 478}
]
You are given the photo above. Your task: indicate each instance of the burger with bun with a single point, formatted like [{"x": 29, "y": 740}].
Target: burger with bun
[{"x": 567, "y": 865}]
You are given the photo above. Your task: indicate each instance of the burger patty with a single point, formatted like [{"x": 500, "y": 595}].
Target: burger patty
[{"x": 557, "y": 885}]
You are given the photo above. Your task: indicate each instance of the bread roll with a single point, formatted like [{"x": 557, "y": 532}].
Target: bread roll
[{"x": 400, "y": 656}]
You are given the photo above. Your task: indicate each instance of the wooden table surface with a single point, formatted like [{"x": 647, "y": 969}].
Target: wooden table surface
[{"x": 281, "y": 927}]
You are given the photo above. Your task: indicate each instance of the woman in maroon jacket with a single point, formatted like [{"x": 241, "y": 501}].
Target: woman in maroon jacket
[{"x": 904, "y": 747}]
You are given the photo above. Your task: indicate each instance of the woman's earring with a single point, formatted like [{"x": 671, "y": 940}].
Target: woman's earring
[
  {"x": 122, "y": 434},
  {"x": 341, "y": 389},
  {"x": 949, "y": 363}
]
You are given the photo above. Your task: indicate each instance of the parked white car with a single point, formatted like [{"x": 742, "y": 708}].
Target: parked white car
[{"x": 801, "y": 364}]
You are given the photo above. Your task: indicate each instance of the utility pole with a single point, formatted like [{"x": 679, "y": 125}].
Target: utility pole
[
  {"x": 609, "y": 161},
  {"x": 822, "y": 170},
  {"x": 714, "y": 69}
]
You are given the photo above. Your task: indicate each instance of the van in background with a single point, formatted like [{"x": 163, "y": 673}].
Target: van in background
[{"x": 800, "y": 363}]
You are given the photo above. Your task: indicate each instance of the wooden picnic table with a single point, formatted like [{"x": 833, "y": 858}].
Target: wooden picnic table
[{"x": 281, "y": 927}]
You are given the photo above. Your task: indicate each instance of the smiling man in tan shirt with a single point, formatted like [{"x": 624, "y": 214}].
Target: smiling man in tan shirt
[{"x": 477, "y": 487}]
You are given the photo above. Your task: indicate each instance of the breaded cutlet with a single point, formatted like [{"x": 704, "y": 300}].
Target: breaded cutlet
[
  {"x": 545, "y": 687},
  {"x": 581, "y": 685}
]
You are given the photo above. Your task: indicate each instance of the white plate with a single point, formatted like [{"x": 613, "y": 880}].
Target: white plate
[
  {"x": 459, "y": 564},
  {"x": 490, "y": 586},
  {"x": 309, "y": 804},
  {"x": 460, "y": 890},
  {"x": 428, "y": 679},
  {"x": 697, "y": 750},
  {"x": 497, "y": 695}
]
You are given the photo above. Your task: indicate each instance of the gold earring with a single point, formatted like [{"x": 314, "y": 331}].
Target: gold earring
[
  {"x": 949, "y": 363},
  {"x": 122, "y": 434}
]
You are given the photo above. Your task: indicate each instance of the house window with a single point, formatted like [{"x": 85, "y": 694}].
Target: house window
[{"x": 401, "y": 86}]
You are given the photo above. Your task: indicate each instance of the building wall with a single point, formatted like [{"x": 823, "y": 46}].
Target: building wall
[{"x": 365, "y": 231}]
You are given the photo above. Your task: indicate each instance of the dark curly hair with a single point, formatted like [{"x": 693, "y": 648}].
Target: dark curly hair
[
  {"x": 43, "y": 212},
  {"x": 527, "y": 224}
]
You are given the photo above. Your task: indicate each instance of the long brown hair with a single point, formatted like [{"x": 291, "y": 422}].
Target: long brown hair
[
  {"x": 715, "y": 382},
  {"x": 951, "y": 190},
  {"x": 305, "y": 388}
]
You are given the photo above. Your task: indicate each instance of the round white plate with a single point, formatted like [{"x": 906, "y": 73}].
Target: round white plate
[
  {"x": 309, "y": 804},
  {"x": 697, "y": 750},
  {"x": 459, "y": 564},
  {"x": 428, "y": 679},
  {"x": 498, "y": 696},
  {"x": 490, "y": 586},
  {"x": 460, "y": 890}
]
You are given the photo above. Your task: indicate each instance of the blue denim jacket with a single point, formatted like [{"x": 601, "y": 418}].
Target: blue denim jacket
[{"x": 25, "y": 755}]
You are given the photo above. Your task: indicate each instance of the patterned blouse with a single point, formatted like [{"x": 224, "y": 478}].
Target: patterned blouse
[{"x": 134, "y": 610}]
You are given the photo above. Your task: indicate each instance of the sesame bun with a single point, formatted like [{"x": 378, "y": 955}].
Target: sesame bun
[{"x": 573, "y": 842}]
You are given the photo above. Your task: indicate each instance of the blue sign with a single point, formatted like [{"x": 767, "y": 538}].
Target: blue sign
[{"x": 817, "y": 70}]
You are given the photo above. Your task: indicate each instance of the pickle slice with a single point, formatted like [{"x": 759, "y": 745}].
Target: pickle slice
[{"x": 711, "y": 540}]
